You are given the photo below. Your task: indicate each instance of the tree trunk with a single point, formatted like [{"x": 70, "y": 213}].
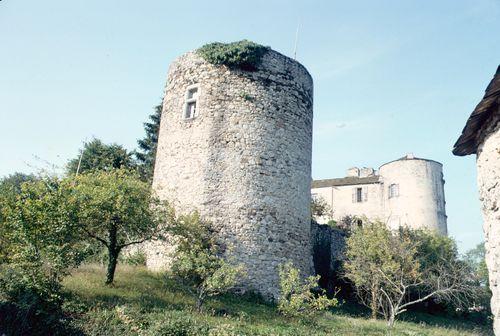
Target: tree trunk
[
  {"x": 199, "y": 304},
  {"x": 113, "y": 251},
  {"x": 374, "y": 301},
  {"x": 392, "y": 319},
  {"x": 112, "y": 260},
  {"x": 200, "y": 299}
]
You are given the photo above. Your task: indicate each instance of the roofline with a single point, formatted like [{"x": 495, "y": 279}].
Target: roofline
[
  {"x": 487, "y": 110},
  {"x": 405, "y": 159},
  {"x": 346, "y": 181}
]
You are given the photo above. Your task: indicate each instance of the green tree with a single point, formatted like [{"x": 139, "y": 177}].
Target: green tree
[
  {"x": 14, "y": 182},
  {"x": 198, "y": 259},
  {"x": 146, "y": 155},
  {"x": 296, "y": 294},
  {"x": 367, "y": 249},
  {"x": 44, "y": 244},
  {"x": 116, "y": 209},
  {"x": 320, "y": 208},
  {"x": 476, "y": 259},
  {"x": 96, "y": 155},
  {"x": 392, "y": 271},
  {"x": 10, "y": 187}
]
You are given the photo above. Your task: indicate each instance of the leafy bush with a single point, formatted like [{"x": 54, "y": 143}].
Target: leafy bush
[
  {"x": 320, "y": 208},
  {"x": 178, "y": 324},
  {"x": 43, "y": 246},
  {"x": 134, "y": 258},
  {"x": 245, "y": 55},
  {"x": 198, "y": 259},
  {"x": 296, "y": 295}
]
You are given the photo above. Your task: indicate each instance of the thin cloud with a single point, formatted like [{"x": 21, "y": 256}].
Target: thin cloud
[{"x": 327, "y": 128}]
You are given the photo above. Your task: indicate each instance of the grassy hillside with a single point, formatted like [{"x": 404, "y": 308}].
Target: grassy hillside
[{"x": 142, "y": 303}]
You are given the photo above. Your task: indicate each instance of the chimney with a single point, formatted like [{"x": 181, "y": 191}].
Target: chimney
[
  {"x": 365, "y": 172},
  {"x": 353, "y": 172}
]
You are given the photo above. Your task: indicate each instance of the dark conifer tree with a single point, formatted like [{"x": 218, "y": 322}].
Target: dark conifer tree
[{"x": 147, "y": 146}]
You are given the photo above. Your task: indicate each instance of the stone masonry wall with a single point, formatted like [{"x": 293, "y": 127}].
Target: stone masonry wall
[
  {"x": 488, "y": 167},
  {"x": 244, "y": 162},
  {"x": 329, "y": 246}
]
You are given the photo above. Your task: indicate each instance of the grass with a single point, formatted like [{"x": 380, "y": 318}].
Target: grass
[{"x": 144, "y": 303}]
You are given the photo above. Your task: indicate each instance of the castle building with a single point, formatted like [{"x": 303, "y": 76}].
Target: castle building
[
  {"x": 235, "y": 145},
  {"x": 404, "y": 192},
  {"x": 481, "y": 136}
]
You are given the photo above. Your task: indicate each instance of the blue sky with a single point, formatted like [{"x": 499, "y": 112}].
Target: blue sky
[{"x": 390, "y": 77}]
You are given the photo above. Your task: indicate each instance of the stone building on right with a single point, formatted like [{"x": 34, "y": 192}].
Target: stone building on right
[{"x": 481, "y": 136}]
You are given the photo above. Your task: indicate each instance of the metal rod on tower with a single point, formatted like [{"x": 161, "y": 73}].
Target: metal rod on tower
[
  {"x": 296, "y": 40},
  {"x": 80, "y": 160}
]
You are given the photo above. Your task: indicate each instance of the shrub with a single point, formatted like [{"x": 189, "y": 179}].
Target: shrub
[
  {"x": 198, "y": 259},
  {"x": 296, "y": 295},
  {"x": 43, "y": 247},
  {"x": 320, "y": 208},
  {"x": 245, "y": 55},
  {"x": 177, "y": 324},
  {"x": 134, "y": 258}
]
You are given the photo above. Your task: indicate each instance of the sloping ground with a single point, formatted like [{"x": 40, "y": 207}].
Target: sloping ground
[{"x": 142, "y": 303}]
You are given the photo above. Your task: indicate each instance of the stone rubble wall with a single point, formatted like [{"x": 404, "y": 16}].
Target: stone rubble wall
[
  {"x": 488, "y": 167},
  {"x": 329, "y": 247},
  {"x": 244, "y": 162}
]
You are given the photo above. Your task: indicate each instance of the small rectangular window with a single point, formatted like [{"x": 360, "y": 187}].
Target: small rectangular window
[
  {"x": 192, "y": 93},
  {"x": 190, "y": 109},
  {"x": 359, "y": 195},
  {"x": 393, "y": 190}
]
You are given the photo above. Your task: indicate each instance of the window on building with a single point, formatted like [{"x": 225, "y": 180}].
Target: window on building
[
  {"x": 393, "y": 190},
  {"x": 190, "y": 109},
  {"x": 359, "y": 195}
]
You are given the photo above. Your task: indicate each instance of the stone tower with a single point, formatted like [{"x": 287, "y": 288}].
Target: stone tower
[
  {"x": 236, "y": 146},
  {"x": 481, "y": 136},
  {"x": 414, "y": 191}
]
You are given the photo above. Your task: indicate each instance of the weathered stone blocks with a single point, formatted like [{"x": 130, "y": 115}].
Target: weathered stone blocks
[
  {"x": 244, "y": 161},
  {"x": 488, "y": 169}
]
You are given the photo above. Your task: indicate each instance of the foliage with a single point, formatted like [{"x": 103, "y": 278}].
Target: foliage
[
  {"x": 320, "y": 208},
  {"x": 476, "y": 259},
  {"x": 178, "y": 324},
  {"x": 349, "y": 223},
  {"x": 135, "y": 258},
  {"x": 43, "y": 246},
  {"x": 146, "y": 155},
  {"x": 10, "y": 187},
  {"x": 244, "y": 54},
  {"x": 116, "y": 209},
  {"x": 296, "y": 294},
  {"x": 149, "y": 301},
  {"x": 198, "y": 259},
  {"x": 15, "y": 181},
  {"x": 96, "y": 155},
  {"x": 394, "y": 270}
]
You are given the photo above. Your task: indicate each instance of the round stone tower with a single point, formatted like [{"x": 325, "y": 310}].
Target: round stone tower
[
  {"x": 414, "y": 194},
  {"x": 236, "y": 146}
]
